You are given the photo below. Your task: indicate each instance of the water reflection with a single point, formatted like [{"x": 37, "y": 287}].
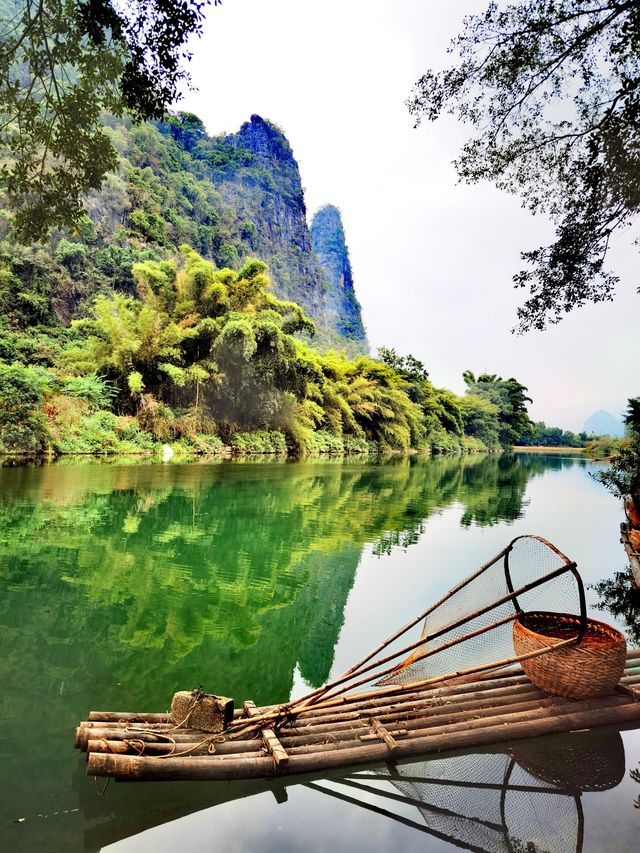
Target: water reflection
[
  {"x": 522, "y": 798},
  {"x": 184, "y": 565},
  {"x": 121, "y": 583},
  {"x": 619, "y": 598}
]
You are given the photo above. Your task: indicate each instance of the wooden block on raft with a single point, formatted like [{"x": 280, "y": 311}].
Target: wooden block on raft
[
  {"x": 194, "y": 709},
  {"x": 269, "y": 737},
  {"x": 381, "y": 733}
]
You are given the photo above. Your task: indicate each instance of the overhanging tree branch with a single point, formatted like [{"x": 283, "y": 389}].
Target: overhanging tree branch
[{"x": 552, "y": 88}]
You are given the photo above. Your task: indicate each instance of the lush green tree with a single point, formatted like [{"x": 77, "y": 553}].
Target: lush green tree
[
  {"x": 632, "y": 416},
  {"x": 551, "y": 90},
  {"x": 541, "y": 435},
  {"x": 508, "y": 395},
  {"x": 201, "y": 337},
  {"x": 480, "y": 419},
  {"x": 623, "y": 477},
  {"x": 440, "y": 407},
  {"x": 21, "y": 395},
  {"x": 62, "y": 64}
]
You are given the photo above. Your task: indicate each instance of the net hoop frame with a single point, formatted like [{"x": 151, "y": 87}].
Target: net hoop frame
[
  {"x": 347, "y": 681},
  {"x": 571, "y": 566}
]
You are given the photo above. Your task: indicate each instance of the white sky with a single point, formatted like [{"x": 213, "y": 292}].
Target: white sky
[{"x": 432, "y": 260}]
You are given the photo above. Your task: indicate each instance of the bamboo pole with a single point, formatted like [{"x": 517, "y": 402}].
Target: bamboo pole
[
  {"x": 133, "y": 717},
  {"x": 416, "y": 719},
  {"x": 276, "y": 750},
  {"x": 286, "y": 711},
  {"x": 160, "y": 749},
  {"x": 127, "y": 716},
  {"x": 214, "y": 767},
  {"x": 425, "y": 706},
  {"x": 425, "y": 728},
  {"x": 184, "y": 736}
]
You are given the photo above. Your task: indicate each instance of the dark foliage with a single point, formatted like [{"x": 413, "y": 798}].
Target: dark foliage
[
  {"x": 62, "y": 64},
  {"x": 619, "y": 598},
  {"x": 552, "y": 90}
]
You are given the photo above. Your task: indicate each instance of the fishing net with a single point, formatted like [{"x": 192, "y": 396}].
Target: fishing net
[
  {"x": 472, "y": 626},
  {"x": 523, "y": 798},
  {"x": 468, "y": 633},
  {"x": 487, "y": 802}
]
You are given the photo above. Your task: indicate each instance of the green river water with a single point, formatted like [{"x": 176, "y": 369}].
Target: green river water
[{"x": 124, "y": 582}]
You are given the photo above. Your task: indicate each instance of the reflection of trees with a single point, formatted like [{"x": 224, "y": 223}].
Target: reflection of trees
[
  {"x": 199, "y": 564},
  {"x": 123, "y": 583},
  {"x": 618, "y": 597}
]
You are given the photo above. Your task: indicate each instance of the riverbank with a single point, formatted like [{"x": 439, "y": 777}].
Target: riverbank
[
  {"x": 542, "y": 449},
  {"x": 265, "y": 442}
]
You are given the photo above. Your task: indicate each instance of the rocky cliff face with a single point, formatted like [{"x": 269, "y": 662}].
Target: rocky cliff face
[
  {"x": 267, "y": 199},
  {"x": 328, "y": 243},
  {"x": 312, "y": 269},
  {"x": 230, "y": 197}
]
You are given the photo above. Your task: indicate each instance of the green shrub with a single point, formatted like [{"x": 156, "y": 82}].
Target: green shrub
[
  {"x": 354, "y": 444},
  {"x": 259, "y": 441},
  {"x": 603, "y": 447},
  {"x": 98, "y": 392},
  {"x": 72, "y": 429},
  {"x": 22, "y": 424},
  {"x": 72, "y": 255},
  {"x": 198, "y": 445}
]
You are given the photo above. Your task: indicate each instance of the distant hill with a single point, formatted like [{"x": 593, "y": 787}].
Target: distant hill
[{"x": 603, "y": 423}]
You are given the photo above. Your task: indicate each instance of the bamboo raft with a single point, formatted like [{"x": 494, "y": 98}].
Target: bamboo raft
[
  {"x": 452, "y": 688},
  {"x": 358, "y": 731},
  {"x": 478, "y": 799}
]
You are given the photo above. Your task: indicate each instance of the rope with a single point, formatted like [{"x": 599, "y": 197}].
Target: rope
[{"x": 139, "y": 746}]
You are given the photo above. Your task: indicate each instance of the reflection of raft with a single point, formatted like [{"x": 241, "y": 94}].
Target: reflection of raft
[
  {"x": 499, "y": 798},
  {"x": 492, "y": 801},
  {"x": 458, "y": 687}
]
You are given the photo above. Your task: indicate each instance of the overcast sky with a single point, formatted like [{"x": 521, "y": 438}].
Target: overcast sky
[{"x": 432, "y": 260}]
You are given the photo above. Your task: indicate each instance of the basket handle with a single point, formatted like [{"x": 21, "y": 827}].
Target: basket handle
[
  {"x": 570, "y": 567},
  {"x": 583, "y": 603},
  {"x": 507, "y": 576}
]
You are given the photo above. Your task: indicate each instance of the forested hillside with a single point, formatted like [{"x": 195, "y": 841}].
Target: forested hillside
[
  {"x": 189, "y": 308},
  {"x": 229, "y": 197}
]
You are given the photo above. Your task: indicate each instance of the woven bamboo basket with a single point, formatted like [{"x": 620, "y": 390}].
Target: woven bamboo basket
[{"x": 591, "y": 667}]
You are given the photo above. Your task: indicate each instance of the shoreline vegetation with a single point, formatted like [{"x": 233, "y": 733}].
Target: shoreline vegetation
[
  {"x": 203, "y": 359},
  {"x": 188, "y": 308},
  {"x": 538, "y": 448}
]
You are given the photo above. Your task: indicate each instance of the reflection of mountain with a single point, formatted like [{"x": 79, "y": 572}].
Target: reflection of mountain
[
  {"x": 123, "y": 583},
  {"x": 524, "y": 798}
]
